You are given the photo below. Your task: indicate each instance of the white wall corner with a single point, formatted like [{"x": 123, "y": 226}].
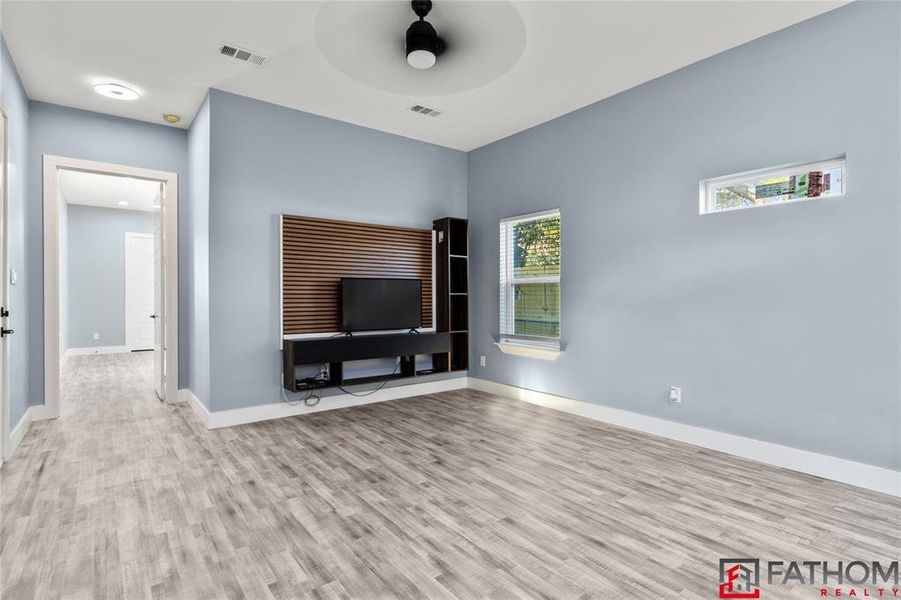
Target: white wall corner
[{"x": 853, "y": 473}]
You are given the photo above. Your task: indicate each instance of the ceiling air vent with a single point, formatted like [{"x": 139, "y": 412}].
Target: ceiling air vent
[
  {"x": 242, "y": 54},
  {"x": 425, "y": 110}
]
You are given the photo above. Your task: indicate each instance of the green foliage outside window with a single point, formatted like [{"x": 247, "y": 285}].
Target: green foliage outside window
[{"x": 536, "y": 253}]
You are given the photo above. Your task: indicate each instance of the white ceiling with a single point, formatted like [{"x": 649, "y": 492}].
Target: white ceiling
[
  {"x": 509, "y": 66},
  {"x": 94, "y": 189}
]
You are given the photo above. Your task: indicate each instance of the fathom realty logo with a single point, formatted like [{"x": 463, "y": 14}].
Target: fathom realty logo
[{"x": 739, "y": 578}]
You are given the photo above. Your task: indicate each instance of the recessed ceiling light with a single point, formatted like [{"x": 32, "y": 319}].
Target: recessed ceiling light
[
  {"x": 171, "y": 118},
  {"x": 122, "y": 203},
  {"x": 116, "y": 91}
]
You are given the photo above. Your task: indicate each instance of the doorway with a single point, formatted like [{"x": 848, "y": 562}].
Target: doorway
[{"x": 110, "y": 270}]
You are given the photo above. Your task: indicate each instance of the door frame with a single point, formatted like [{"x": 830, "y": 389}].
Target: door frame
[
  {"x": 169, "y": 226},
  {"x": 5, "y": 389},
  {"x": 129, "y": 235}
]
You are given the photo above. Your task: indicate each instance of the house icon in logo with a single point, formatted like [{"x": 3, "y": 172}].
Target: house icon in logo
[{"x": 739, "y": 578}]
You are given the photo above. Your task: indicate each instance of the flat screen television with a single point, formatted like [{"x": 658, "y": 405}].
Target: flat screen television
[{"x": 369, "y": 304}]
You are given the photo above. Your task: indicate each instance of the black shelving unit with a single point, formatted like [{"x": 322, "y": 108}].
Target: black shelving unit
[
  {"x": 335, "y": 351},
  {"x": 452, "y": 291}
]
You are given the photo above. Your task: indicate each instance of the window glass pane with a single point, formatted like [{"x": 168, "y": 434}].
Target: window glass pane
[
  {"x": 815, "y": 180},
  {"x": 536, "y": 247},
  {"x": 536, "y": 309}
]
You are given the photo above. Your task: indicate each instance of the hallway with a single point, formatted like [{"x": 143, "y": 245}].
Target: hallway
[{"x": 86, "y": 494}]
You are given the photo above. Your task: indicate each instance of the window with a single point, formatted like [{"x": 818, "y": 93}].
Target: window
[
  {"x": 774, "y": 186},
  {"x": 530, "y": 278}
]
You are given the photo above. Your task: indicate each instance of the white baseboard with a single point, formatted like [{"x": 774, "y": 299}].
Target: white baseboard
[
  {"x": 96, "y": 350},
  {"x": 828, "y": 467},
  {"x": 186, "y": 395},
  {"x": 40, "y": 412},
  {"x": 18, "y": 433},
  {"x": 281, "y": 409}
]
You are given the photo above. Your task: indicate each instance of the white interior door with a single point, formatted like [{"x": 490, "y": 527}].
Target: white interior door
[
  {"x": 4, "y": 294},
  {"x": 159, "y": 307},
  {"x": 139, "y": 291}
]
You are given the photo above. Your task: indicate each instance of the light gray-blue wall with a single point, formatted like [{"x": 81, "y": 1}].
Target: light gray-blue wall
[
  {"x": 780, "y": 323},
  {"x": 196, "y": 255},
  {"x": 81, "y": 134},
  {"x": 267, "y": 160},
  {"x": 96, "y": 295},
  {"x": 16, "y": 107}
]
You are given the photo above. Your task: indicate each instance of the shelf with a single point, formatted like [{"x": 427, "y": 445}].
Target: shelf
[
  {"x": 452, "y": 292},
  {"x": 440, "y": 363},
  {"x": 458, "y": 233},
  {"x": 303, "y": 386},
  {"x": 459, "y": 313},
  {"x": 340, "y": 350},
  {"x": 459, "y": 354},
  {"x": 373, "y": 379},
  {"x": 544, "y": 353},
  {"x": 459, "y": 275},
  {"x": 430, "y": 371}
]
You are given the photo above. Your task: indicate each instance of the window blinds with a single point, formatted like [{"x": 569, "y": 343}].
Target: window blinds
[{"x": 530, "y": 276}]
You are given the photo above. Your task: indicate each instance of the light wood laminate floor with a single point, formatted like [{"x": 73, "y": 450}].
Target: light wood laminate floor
[{"x": 453, "y": 495}]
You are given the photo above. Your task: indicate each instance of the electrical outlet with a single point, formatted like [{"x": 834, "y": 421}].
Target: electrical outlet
[
  {"x": 96, "y": 336},
  {"x": 481, "y": 361},
  {"x": 675, "y": 395}
]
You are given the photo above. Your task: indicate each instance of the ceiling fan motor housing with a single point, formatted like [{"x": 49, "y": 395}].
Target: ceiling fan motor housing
[{"x": 422, "y": 36}]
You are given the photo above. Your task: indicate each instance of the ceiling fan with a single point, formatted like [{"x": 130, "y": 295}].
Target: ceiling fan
[{"x": 423, "y": 44}]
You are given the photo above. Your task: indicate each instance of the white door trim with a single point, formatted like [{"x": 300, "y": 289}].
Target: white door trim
[
  {"x": 7, "y": 444},
  {"x": 52, "y": 164},
  {"x": 129, "y": 235}
]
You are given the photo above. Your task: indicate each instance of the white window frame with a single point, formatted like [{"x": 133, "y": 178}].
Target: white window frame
[
  {"x": 511, "y": 343},
  {"x": 708, "y": 187}
]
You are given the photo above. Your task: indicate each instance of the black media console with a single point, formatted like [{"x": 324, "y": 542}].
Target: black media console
[{"x": 335, "y": 351}]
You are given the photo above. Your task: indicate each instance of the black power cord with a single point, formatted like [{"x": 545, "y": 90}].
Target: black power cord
[{"x": 371, "y": 392}]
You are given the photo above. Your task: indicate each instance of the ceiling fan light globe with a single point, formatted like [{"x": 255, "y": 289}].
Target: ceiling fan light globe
[{"x": 421, "y": 59}]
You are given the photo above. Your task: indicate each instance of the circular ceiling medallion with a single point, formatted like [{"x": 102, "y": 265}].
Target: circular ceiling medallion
[{"x": 365, "y": 41}]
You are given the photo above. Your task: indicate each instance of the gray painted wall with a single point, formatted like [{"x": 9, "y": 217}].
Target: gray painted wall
[
  {"x": 268, "y": 160},
  {"x": 81, "y": 134},
  {"x": 780, "y": 323},
  {"x": 21, "y": 345},
  {"x": 196, "y": 255},
  {"x": 96, "y": 298}
]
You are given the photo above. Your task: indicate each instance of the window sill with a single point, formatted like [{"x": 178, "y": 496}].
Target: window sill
[{"x": 541, "y": 351}]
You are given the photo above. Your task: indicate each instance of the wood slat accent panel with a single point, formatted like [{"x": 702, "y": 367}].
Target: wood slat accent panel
[{"x": 317, "y": 253}]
